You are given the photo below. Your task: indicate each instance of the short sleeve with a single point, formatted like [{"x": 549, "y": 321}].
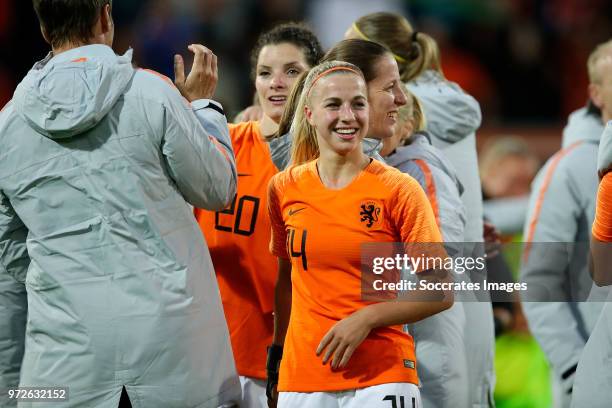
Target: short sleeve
[
  {"x": 602, "y": 225},
  {"x": 412, "y": 214},
  {"x": 414, "y": 219},
  {"x": 278, "y": 236}
]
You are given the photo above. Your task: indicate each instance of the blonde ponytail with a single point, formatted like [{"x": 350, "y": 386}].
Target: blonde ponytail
[
  {"x": 414, "y": 51},
  {"x": 413, "y": 110},
  {"x": 304, "y": 146},
  {"x": 425, "y": 55},
  {"x": 418, "y": 114}
]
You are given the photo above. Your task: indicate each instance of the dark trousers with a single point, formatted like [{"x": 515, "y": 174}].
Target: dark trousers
[{"x": 124, "y": 402}]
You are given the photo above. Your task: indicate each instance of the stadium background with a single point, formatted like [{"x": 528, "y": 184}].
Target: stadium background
[{"x": 523, "y": 60}]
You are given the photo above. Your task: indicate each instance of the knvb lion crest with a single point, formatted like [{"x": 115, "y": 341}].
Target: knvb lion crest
[{"x": 369, "y": 213}]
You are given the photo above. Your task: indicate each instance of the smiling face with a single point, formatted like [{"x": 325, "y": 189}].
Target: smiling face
[
  {"x": 338, "y": 110},
  {"x": 385, "y": 96},
  {"x": 278, "y": 66},
  {"x": 403, "y": 129}
]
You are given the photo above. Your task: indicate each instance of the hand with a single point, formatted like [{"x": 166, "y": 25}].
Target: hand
[
  {"x": 502, "y": 319},
  {"x": 492, "y": 239},
  {"x": 252, "y": 113},
  {"x": 343, "y": 338},
  {"x": 202, "y": 79},
  {"x": 273, "y": 360},
  {"x": 273, "y": 399}
]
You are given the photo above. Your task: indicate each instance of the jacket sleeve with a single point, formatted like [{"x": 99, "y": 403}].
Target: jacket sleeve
[
  {"x": 604, "y": 156},
  {"x": 198, "y": 152},
  {"x": 13, "y": 316},
  {"x": 14, "y": 262},
  {"x": 443, "y": 197},
  {"x": 552, "y": 224},
  {"x": 14, "y": 259}
]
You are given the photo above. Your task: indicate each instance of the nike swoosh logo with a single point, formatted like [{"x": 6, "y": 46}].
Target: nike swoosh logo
[
  {"x": 293, "y": 212},
  {"x": 244, "y": 174}
]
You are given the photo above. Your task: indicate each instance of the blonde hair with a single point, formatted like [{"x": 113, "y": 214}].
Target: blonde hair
[
  {"x": 305, "y": 147},
  {"x": 412, "y": 110},
  {"x": 362, "y": 53},
  {"x": 594, "y": 58},
  {"x": 414, "y": 51}
]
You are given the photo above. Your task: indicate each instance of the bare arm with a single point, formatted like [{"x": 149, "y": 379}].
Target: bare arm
[
  {"x": 196, "y": 145},
  {"x": 341, "y": 341},
  {"x": 395, "y": 313},
  {"x": 601, "y": 262},
  {"x": 282, "y": 312},
  {"x": 282, "y": 301}
]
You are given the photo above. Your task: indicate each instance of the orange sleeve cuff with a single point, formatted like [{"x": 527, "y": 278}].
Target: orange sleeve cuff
[{"x": 602, "y": 226}]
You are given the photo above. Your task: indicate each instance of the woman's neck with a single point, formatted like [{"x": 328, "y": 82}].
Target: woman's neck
[
  {"x": 267, "y": 126},
  {"x": 336, "y": 171}
]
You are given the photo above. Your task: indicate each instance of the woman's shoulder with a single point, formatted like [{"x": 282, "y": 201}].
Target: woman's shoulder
[
  {"x": 241, "y": 130},
  {"x": 390, "y": 177},
  {"x": 292, "y": 175}
]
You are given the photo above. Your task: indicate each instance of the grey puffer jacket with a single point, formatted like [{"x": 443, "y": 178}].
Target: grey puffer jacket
[
  {"x": 439, "y": 180},
  {"x": 97, "y": 162},
  {"x": 440, "y": 339},
  {"x": 555, "y": 264},
  {"x": 453, "y": 117}
]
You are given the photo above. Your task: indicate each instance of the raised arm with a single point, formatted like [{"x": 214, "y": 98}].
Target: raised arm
[{"x": 196, "y": 144}]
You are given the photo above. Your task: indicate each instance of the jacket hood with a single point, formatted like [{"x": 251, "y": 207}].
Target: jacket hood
[
  {"x": 68, "y": 94},
  {"x": 451, "y": 113},
  {"x": 421, "y": 148},
  {"x": 582, "y": 125}
]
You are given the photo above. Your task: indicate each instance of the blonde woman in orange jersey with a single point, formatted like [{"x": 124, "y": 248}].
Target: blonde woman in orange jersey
[
  {"x": 340, "y": 351},
  {"x": 238, "y": 236}
]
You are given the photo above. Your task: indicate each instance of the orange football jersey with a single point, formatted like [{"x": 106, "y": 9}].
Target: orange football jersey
[
  {"x": 320, "y": 230},
  {"x": 238, "y": 239}
]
